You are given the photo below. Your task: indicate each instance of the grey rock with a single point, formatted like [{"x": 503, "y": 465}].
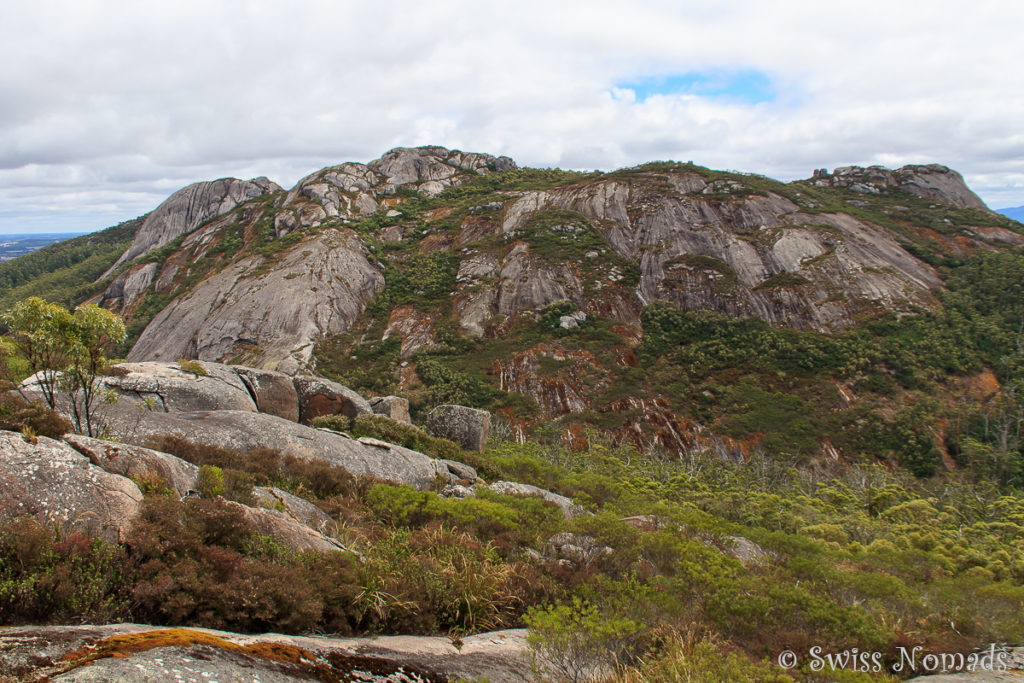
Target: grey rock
[
  {"x": 170, "y": 388},
  {"x": 460, "y": 470},
  {"x": 190, "y": 207},
  {"x": 293, "y": 533},
  {"x": 298, "y": 508},
  {"x": 247, "y": 431},
  {"x": 745, "y": 550},
  {"x": 129, "y": 286},
  {"x": 395, "y": 407},
  {"x": 39, "y": 652},
  {"x": 273, "y": 392},
  {"x": 512, "y": 488},
  {"x": 467, "y": 427},
  {"x": 457, "y": 491},
  {"x": 55, "y": 483},
  {"x": 579, "y": 549},
  {"x": 137, "y": 463},
  {"x": 320, "y": 396},
  {"x": 267, "y": 319}
]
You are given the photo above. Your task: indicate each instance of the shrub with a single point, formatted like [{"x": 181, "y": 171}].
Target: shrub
[{"x": 17, "y": 414}]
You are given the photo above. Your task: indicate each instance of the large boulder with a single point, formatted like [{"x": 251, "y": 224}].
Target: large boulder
[
  {"x": 467, "y": 427},
  {"x": 141, "y": 464},
  {"x": 319, "y": 396},
  {"x": 391, "y": 406},
  {"x": 52, "y": 481},
  {"x": 273, "y": 392},
  {"x": 291, "y": 532},
  {"x": 182, "y": 387},
  {"x": 244, "y": 431}
]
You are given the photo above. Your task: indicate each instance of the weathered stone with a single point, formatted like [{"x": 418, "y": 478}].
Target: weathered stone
[
  {"x": 319, "y": 396},
  {"x": 136, "y": 462},
  {"x": 294, "y": 506},
  {"x": 512, "y": 488},
  {"x": 293, "y": 533},
  {"x": 168, "y": 387},
  {"x": 129, "y": 286},
  {"x": 36, "y": 652},
  {"x": 247, "y": 431},
  {"x": 268, "y": 319},
  {"x": 188, "y": 208},
  {"x": 391, "y": 406},
  {"x": 467, "y": 427},
  {"x": 577, "y": 548},
  {"x": 745, "y": 550},
  {"x": 273, "y": 392},
  {"x": 53, "y": 482}
]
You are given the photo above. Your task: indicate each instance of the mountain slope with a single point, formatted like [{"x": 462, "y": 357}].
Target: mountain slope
[{"x": 668, "y": 303}]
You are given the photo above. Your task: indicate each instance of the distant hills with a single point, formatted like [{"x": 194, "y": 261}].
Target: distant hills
[
  {"x": 15, "y": 245},
  {"x": 1014, "y": 212}
]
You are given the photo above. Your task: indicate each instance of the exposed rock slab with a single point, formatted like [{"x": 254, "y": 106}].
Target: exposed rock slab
[
  {"x": 395, "y": 407},
  {"x": 205, "y": 655},
  {"x": 293, "y": 533},
  {"x": 247, "y": 431},
  {"x": 170, "y": 388},
  {"x": 53, "y": 482},
  {"x": 298, "y": 508},
  {"x": 137, "y": 462},
  {"x": 190, "y": 207},
  {"x": 264, "y": 317},
  {"x": 273, "y": 392}
]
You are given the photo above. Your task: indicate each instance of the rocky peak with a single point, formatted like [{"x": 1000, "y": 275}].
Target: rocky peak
[
  {"x": 352, "y": 189},
  {"x": 190, "y": 207},
  {"x": 933, "y": 181}
]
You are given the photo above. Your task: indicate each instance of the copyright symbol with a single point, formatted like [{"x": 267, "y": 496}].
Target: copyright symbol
[{"x": 787, "y": 659}]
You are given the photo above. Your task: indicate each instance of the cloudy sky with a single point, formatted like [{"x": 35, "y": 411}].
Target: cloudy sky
[{"x": 108, "y": 107}]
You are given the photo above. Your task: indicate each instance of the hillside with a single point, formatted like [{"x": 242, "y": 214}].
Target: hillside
[
  {"x": 730, "y": 417},
  {"x": 670, "y": 304}
]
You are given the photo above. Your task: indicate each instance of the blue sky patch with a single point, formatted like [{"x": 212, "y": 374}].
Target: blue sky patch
[{"x": 748, "y": 85}]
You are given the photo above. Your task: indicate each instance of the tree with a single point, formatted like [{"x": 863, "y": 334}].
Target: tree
[{"x": 65, "y": 351}]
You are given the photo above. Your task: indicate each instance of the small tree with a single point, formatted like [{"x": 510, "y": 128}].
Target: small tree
[{"x": 65, "y": 351}]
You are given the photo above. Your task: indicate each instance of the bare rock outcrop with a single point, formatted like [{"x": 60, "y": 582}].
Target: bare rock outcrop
[
  {"x": 244, "y": 431},
  {"x": 292, "y": 532},
  {"x": 273, "y": 392},
  {"x": 295, "y": 507},
  {"x": 176, "y": 387},
  {"x": 267, "y": 317},
  {"x": 52, "y": 481},
  {"x": 190, "y": 207},
  {"x": 137, "y": 654},
  {"x": 512, "y": 488},
  {"x": 932, "y": 181},
  {"x": 467, "y": 427},
  {"x": 395, "y": 407},
  {"x": 136, "y": 462}
]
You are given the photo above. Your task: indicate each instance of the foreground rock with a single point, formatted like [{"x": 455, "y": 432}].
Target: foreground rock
[
  {"x": 246, "y": 431},
  {"x": 129, "y": 652},
  {"x": 53, "y": 482},
  {"x": 140, "y": 464},
  {"x": 467, "y": 427}
]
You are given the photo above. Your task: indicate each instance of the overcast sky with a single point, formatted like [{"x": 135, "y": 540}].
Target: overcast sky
[{"x": 108, "y": 107}]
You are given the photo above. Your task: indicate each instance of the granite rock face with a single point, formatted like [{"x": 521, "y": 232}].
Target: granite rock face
[
  {"x": 273, "y": 392},
  {"x": 933, "y": 181},
  {"x": 53, "y": 482},
  {"x": 467, "y": 427},
  {"x": 190, "y": 207},
  {"x": 267, "y": 318}
]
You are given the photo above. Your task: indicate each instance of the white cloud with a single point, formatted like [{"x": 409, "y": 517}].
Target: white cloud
[{"x": 110, "y": 106}]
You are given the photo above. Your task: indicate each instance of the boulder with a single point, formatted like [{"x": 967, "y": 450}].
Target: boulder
[
  {"x": 52, "y": 481},
  {"x": 291, "y": 532},
  {"x": 577, "y": 548},
  {"x": 512, "y": 488},
  {"x": 245, "y": 431},
  {"x": 745, "y": 550},
  {"x": 273, "y": 392},
  {"x": 295, "y": 507},
  {"x": 173, "y": 387},
  {"x": 136, "y": 462},
  {"x": 467, "y": 427},
  {"x": 391, "y": 406},
  {"x": 319, "y": 396}
]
